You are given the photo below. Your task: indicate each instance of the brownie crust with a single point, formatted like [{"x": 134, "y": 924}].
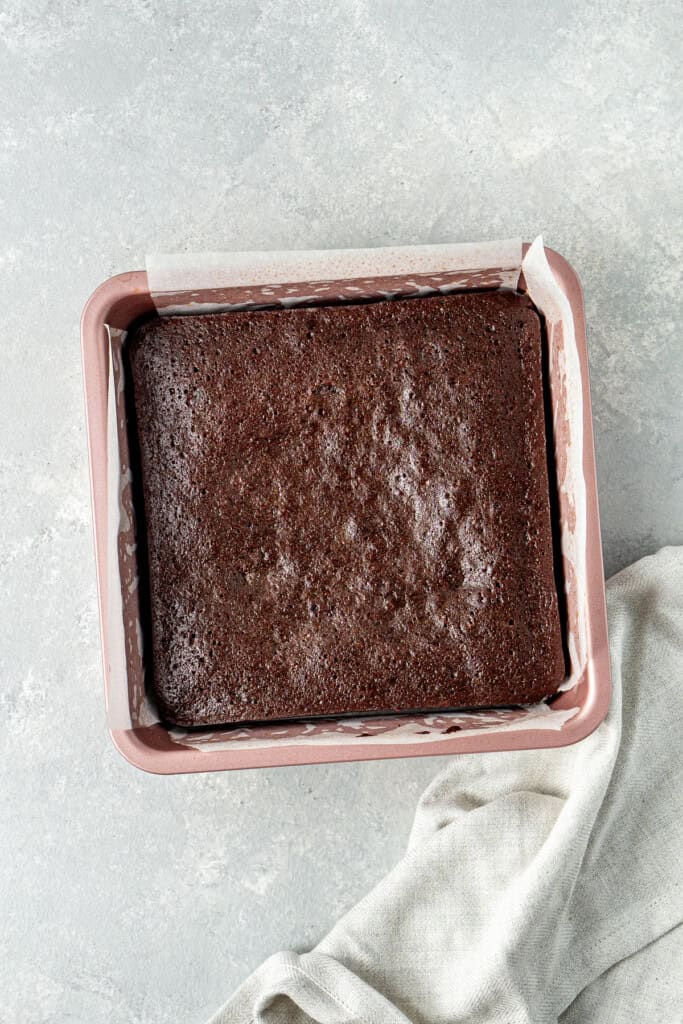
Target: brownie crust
[{"x": 347, "y": 509}]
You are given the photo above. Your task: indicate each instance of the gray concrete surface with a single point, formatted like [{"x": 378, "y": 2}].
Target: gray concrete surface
[{"x": 135, "y": 126}]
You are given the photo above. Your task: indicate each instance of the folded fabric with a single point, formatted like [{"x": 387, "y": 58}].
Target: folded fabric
[{"x": 537, "y": 885}]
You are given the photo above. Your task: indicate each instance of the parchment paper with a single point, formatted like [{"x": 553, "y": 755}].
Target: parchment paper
[{"x": 210, "y": 282}]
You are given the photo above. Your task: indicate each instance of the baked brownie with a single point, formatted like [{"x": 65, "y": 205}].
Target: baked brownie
[{"x": 347, "y": 509}]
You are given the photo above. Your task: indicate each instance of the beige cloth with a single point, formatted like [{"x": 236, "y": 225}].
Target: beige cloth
[{"x": 537, "y": 886}]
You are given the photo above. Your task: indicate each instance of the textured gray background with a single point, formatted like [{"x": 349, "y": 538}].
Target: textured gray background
[{"x": 132, "y": 126}]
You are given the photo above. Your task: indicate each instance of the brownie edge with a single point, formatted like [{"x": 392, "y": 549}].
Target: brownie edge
[{"x": 347, "y": 509}]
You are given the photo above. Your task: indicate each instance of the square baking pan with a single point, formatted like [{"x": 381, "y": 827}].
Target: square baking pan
[{"x": 350, "y": 275}]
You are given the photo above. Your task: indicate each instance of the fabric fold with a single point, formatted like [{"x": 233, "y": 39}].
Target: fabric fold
[{"x": 529, "y": 876}]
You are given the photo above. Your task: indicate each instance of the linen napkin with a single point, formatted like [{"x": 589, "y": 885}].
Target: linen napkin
[{"x": 537, "y": 886}]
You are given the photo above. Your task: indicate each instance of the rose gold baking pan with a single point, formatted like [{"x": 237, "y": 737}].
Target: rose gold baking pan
[{"x": 256, "y": 280}]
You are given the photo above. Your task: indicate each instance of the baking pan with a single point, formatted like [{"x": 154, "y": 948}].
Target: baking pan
[{"x": 309, "y": 278}]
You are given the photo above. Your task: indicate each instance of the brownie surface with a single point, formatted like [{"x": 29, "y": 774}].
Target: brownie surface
[{"x": 347, "y": 509}]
